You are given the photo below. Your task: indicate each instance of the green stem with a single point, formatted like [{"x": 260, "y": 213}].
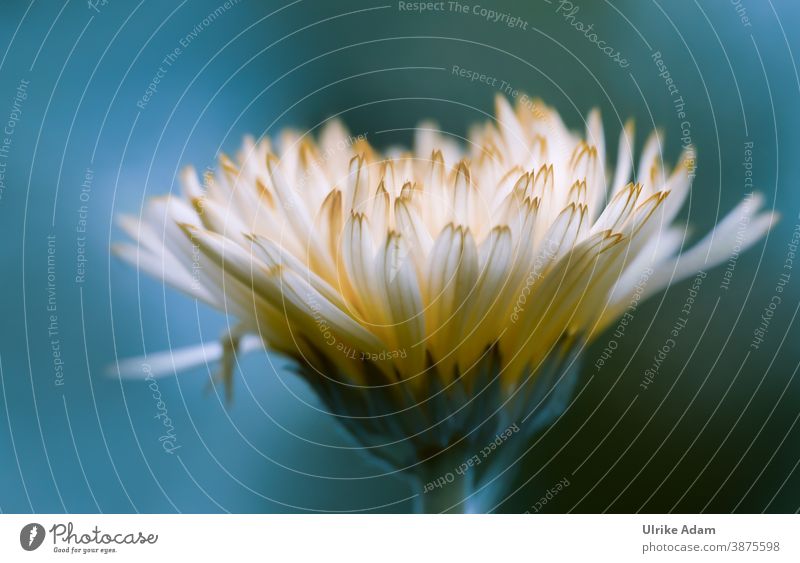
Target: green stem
[{"x": 442, "y": 490}]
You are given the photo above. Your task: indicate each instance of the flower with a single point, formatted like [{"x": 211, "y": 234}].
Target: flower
[{"x": 432, "y": 298}]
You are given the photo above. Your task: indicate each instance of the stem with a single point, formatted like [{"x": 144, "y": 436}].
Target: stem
[{"x": 442, "y": 489}]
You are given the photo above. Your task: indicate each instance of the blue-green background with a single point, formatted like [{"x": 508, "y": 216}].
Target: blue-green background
[{"x": 706, "y": 435}]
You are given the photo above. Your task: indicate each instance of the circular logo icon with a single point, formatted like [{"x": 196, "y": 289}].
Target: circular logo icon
[{"x": 31, "y": 536}]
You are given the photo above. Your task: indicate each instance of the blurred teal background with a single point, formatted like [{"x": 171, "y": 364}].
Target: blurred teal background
[{"x": 715, "y": 432}]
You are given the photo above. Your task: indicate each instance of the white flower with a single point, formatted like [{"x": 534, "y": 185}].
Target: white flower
[{"x": 393, "y": 279}]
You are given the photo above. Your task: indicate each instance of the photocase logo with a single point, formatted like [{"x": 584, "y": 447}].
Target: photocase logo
[{"x": 31, "y": 536}]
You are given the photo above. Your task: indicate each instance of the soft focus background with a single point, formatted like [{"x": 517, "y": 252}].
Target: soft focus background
[{"x": 716, "y": 431}]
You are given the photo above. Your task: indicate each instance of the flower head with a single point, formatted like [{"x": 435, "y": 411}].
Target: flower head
[{"x": 422, "y": 293}]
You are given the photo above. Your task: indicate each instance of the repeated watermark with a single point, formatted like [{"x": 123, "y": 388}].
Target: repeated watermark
[
  {"x": 296, "y": 189},
  {"x": 624, "y": 320},
  {"x": 741, "y": 12},
  {"x": 481, "y": 11},
  {"x": 81, "y": 226},
  {"x": 345, "y": 349},
  {"x": 169, "y": 439},
  {"x": 97, "y": 5},
  {"x": 172, "y": 56},
  {"x": 501, "y": 85},
  {"x": 9, "y": 128},
  {"x": 196, "y": 267},
  {"x": 320, "y": 161},
  {"x": 540, "y": 264},
  {"x": 569, "y": 12},
  {"x": 782, "y": 281},
  {"x": 671, "y": 341},
  {"x": 473, "y": 461},
  {"x": 738, "y": 242},
  {"x": 679, "y": 108},
  {"x": 548, "y": 496},
  {"x": 53, "y": 325}
]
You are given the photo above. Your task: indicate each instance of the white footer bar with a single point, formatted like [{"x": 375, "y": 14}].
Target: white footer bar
[{"x": 401, "y": 538}]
